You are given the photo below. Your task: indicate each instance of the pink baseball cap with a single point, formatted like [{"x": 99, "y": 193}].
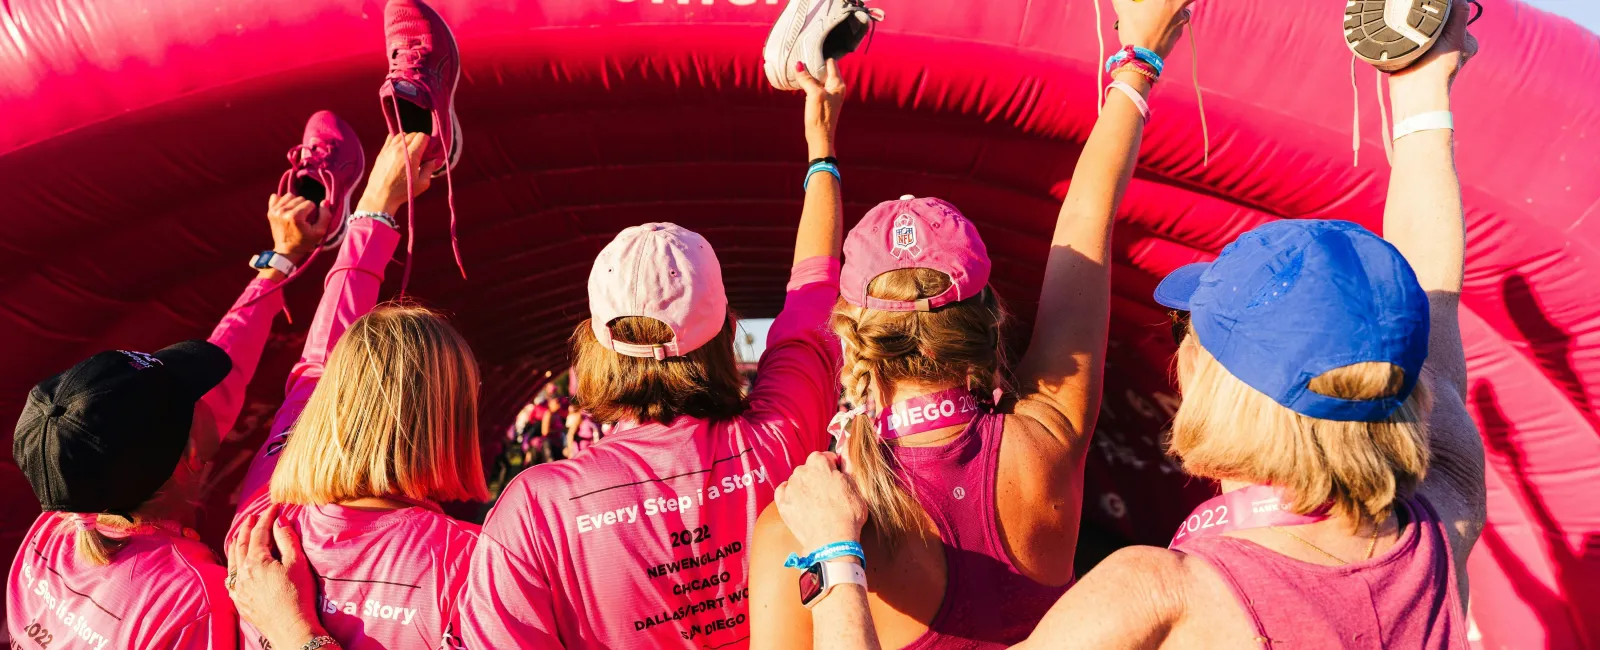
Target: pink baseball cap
[
  {"x": 661, "y": 271},
  {"x": 913, "y": 233}
]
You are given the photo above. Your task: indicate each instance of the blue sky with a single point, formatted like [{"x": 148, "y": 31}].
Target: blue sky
[{"x": 1584, "y": 12}]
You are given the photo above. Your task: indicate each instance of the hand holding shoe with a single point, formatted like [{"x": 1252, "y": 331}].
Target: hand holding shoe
[
  {"x": 294, "y": 235},
  {"x": 824, "y": 98},
  {"x": 402, "y": 156}
]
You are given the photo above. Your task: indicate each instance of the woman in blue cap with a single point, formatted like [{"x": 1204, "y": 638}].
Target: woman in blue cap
[{"x": 1323, "y": 378}]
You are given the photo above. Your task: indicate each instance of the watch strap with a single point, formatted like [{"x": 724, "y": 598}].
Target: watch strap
[{"x": 272, "y": 260}]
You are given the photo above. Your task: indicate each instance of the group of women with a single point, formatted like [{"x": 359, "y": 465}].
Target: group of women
[{"x": 1321, "y": 368}]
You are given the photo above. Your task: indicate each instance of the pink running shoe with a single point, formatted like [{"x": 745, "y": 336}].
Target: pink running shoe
[
  {"x": 811, "y": 32},
  {"x": 418, "y": 95},
  {"x": 326, "y": 167}
]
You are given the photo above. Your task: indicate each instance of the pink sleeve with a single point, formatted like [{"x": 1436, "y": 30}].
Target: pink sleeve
[
  {"x": 242, "y": 333},
  {"x": 349, "y": 292},
  {"x": 507, "y": 596},
  {"x": 798, "y": 377}
]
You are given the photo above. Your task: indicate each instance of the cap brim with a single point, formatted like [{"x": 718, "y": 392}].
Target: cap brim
[
  {"x": 198, "y": 366},
  {"x": 1179, "y": 286}
]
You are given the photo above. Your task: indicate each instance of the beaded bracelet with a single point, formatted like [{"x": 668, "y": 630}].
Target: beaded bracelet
[
  {"x": 380, "y": 217},
  {"x": 1142, "y": 68}
]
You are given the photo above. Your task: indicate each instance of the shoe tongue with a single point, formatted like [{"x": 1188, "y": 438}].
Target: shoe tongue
[{"x": 406, "y": 89}]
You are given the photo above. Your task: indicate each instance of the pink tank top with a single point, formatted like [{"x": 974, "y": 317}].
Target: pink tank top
[
  {"x": 1404, "y": 598},
  {"x": 987, "y": 603}
]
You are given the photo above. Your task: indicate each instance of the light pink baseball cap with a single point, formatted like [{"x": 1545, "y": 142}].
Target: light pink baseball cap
[
  {"x": 913, "y": 233},
  {"x": 661, "y": 271}
]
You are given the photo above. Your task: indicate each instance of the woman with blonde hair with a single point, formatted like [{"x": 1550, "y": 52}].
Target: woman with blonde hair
[
  {"x": 114, "y": 449},
  {"x": 1323, "y": 379},
  {"x": 378, "y": 426},
  {"x": 974, "y": 490}
]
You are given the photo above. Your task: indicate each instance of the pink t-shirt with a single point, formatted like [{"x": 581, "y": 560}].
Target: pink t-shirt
[
  {"x": 642, "y": 542},
  {"x": 388, "y": 579},
  {"x": 163, "y": 589}
]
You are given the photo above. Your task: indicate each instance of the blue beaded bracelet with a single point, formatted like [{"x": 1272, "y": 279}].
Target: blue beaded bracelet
[
  {"x": 828, "y": 552},
  {"x": 1145, "y": 55},
  {"x": 821, "y": 167}
]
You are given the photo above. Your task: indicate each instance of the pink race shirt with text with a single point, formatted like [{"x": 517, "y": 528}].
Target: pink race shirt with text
[
  {"x": 642, "y": 541},
  {"x": 163, "y": 589},
  {"x": 388, "y": 579}
]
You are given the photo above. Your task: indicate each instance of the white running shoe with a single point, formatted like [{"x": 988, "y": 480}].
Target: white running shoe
[{"x": 811, "y": 32}]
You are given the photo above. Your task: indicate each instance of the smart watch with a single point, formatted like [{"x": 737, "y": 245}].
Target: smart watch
[
  {"x": 272, "y": 260},
  {"x": 822, "y": 577}
]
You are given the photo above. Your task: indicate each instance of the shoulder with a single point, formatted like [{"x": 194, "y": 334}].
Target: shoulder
[
  {"x": 191, "y": 577},
  {"x": 771, "y": 536}
]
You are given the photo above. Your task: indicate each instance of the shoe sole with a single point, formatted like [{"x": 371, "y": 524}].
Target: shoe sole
[
  {"x": 1393, "y": 34},
  {"x": 780, "y": 78},
  {"x": 337, "y": 240},
  {"x": 453, "y": 157}
]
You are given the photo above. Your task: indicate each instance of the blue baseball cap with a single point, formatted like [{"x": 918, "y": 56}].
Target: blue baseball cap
[{"x": 1293, "y": 299}]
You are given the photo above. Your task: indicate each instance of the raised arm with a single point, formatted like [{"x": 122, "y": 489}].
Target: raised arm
[
  {"x": 1066, "y": 357},
  {"x": 822, "y": 219},
  {"x": 243, "y": 331},
  {"x": 1424, "y": 218},
  {"x": 350, "y": 290}
]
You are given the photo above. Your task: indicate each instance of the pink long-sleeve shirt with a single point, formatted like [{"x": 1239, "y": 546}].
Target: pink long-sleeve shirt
[
  {"x": 389, "y": 578},
  {"x": 642, "y": 541},
  {"x": 164, "y": 589}
]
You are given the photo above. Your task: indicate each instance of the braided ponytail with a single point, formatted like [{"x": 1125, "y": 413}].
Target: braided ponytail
[{"x": 956, "y": 345}]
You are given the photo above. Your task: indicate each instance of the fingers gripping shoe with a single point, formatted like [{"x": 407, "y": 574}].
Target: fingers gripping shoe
[
  {"x": 326, "y": 167},
  {"x": 811, "y": 32},
  {"x": 1391, "y": 34},
  {"x": 418, "y": 95}
]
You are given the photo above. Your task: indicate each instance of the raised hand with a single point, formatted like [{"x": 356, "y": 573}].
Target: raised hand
[
  {"x": 1155, "y": 25},
  {"x": 1438, "y": 68},
  {"x": 399, "y": 174},
  {"x": 824, "y": 98},
  {"x": 820, "y": 504},
  {"x": 295, "y": 233}
]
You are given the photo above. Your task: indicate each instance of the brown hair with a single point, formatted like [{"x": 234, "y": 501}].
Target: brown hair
[
  {"x": 613, "y": 387},
  {"x": 959, "y": 344},
  {"x": 1224, "y": 429},
  {"x": 395, "y": 414}
]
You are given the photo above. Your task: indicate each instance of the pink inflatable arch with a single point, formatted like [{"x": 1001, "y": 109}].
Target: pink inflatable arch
[{"x": 138, "y": 139}]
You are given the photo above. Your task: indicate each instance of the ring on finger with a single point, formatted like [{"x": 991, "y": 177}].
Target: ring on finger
[{"x": 233, "y": 576}]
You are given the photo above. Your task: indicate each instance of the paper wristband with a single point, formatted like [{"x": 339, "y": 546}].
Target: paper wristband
[
  {"x": 1138, "y": 99},
  {"x": 1435, "y": 121}
]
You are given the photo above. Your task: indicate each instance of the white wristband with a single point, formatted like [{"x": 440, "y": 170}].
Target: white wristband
[
  {"x": 1138, "y": 100},
  {"x": 274, "y": 261},
  {"x": 1435, "y": 121}
]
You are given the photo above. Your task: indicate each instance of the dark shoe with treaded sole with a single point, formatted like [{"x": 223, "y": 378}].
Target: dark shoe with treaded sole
[{"x": 1391, "y": 34}]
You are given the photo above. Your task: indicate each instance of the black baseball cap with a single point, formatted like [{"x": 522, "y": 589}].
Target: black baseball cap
[{"x": 106, "y": 434}]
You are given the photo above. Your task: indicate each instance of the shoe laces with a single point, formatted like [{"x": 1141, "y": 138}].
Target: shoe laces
[
  {"x": 313, "y": 158},
  {"x": 874, "y": 15},
  {"x": 1194, "y": 67},
  {"x": 411, "y": 209}
]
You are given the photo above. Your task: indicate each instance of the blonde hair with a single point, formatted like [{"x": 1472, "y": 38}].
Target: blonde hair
[
  {"x": 395, "y": 414},
  {"x": 955, "y": 344},
  {"x": 1224, "y": 429},
  {"x": 613, "y": 387}
]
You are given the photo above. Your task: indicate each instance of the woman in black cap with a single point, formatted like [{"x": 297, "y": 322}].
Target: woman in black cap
[{"x": 113, "y": 448}]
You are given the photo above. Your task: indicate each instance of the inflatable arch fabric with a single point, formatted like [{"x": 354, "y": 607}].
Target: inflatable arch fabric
[{"x": 138, "y": 139}]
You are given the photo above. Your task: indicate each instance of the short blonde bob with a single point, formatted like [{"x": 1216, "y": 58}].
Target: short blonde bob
[
  {"x": 1226, "y": 430},
  {"x": 395, "y": 415}
]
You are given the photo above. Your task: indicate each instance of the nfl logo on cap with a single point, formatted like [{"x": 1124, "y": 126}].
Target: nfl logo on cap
[{"x": 905, "y": 236}]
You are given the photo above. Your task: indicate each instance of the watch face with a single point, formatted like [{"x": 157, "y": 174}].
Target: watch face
[{"x": 811, "y": 584}]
